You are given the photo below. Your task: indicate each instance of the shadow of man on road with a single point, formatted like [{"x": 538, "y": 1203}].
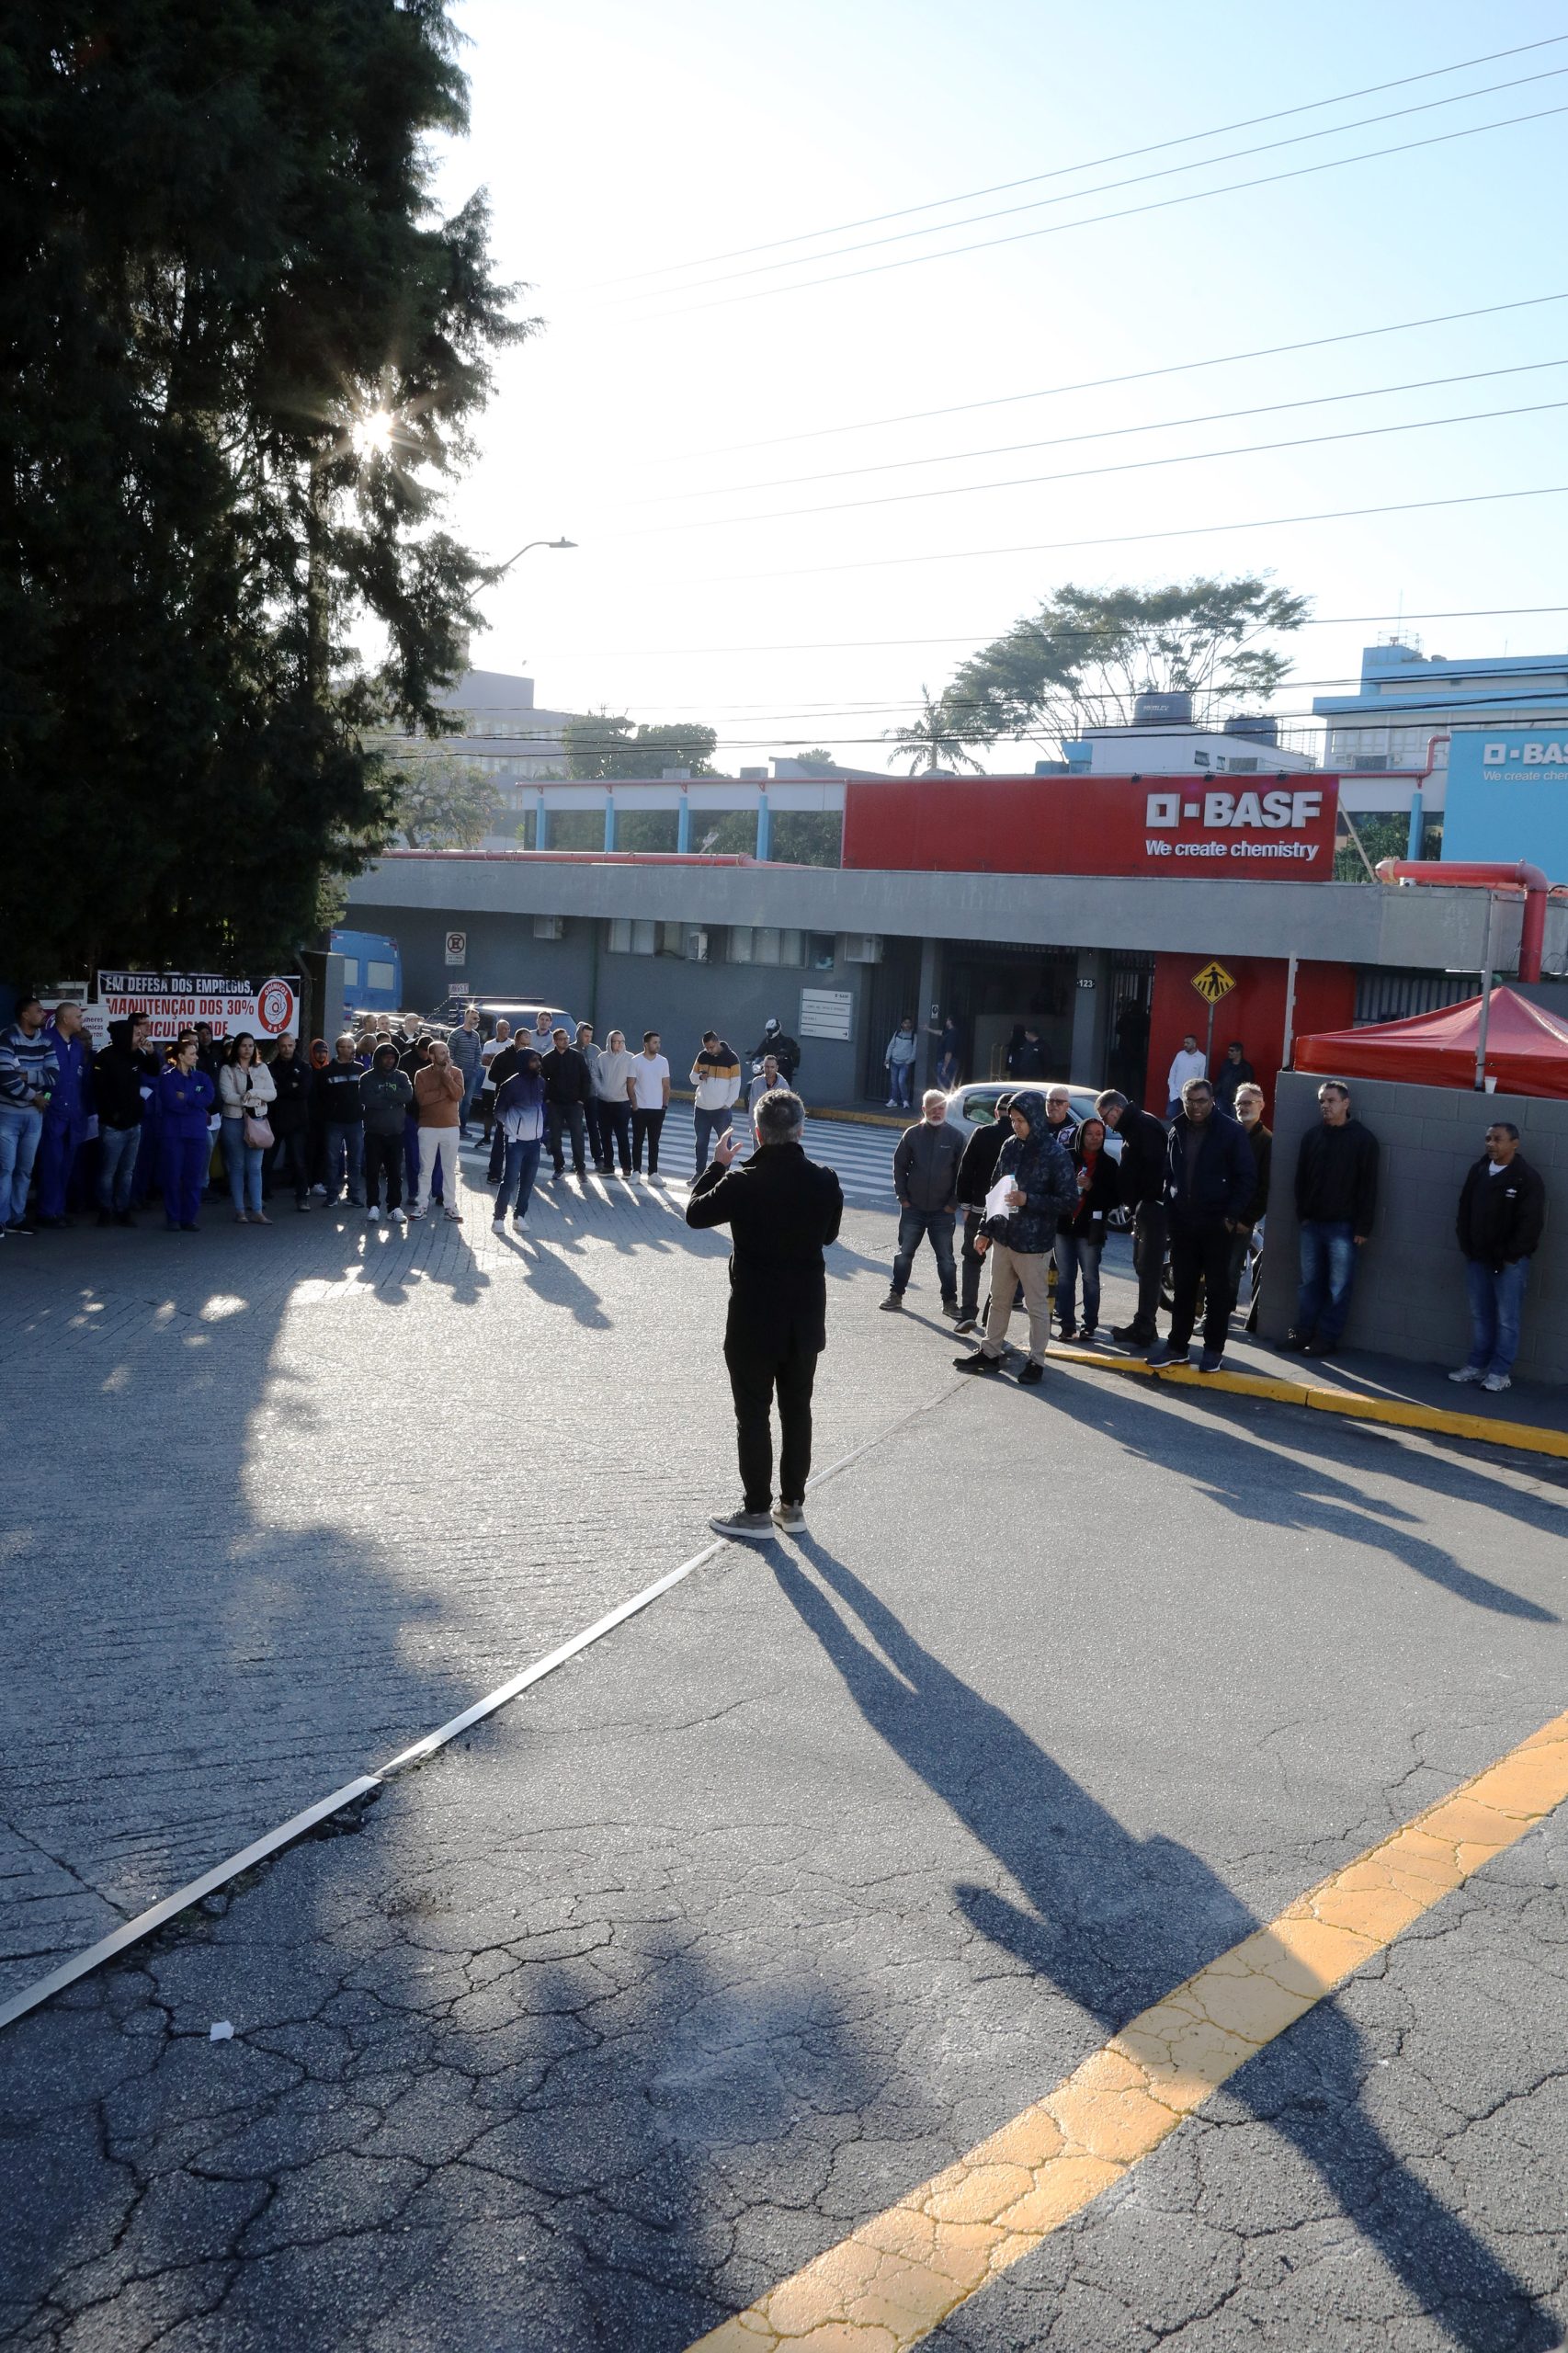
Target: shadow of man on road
[{"x": 1116, "y": 1921}]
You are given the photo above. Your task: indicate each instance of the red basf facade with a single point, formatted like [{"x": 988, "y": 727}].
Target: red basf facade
[
  {"x": 1278, "y": 827},
  {"x": 1254, "y": 1012}
]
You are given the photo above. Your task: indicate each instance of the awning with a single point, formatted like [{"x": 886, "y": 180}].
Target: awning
[{"x": 1526, "y": 1048}]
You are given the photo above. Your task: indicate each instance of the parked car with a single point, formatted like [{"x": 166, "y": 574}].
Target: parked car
[
  {"x": 974, "y": 1106},
  {"x": 522, "y": 1014}
]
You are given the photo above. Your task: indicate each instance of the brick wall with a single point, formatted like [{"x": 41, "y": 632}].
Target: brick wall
[{"x": 1409, "y": 1299}]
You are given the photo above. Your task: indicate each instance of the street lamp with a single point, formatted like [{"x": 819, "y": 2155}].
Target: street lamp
[{"x": 511, "y": 560}]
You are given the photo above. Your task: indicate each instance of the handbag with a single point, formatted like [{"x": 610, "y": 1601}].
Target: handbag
[{"x": 258, "y": 1134}]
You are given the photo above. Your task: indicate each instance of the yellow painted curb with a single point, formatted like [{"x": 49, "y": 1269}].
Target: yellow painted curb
[
  {"x": 901, "y": 2274},
  {"x": 1402, "y": 1413}
]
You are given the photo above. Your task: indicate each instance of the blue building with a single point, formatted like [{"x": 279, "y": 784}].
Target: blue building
[{"x": 1407, "y": 697}]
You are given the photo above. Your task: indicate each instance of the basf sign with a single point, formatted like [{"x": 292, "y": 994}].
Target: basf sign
[
  {"x": 1280, "y": 829},
  {"x": 1508, "y": 796}
]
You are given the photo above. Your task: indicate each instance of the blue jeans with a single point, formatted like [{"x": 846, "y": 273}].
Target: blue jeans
[
  {"x": 1496, "y": 1297},
  {"x": 1079, "y": 1255},
  {"x": 21, "y": 1124},
  {"x": 901, "y": 1079},
  {"x": 243, "y": 1162},
  {"x": 346, "y": 1153},
  {"x": 709, "y": 1124},
  {"x": 1328, "y": 1278},
  {"x": 517, "y": 1178},
  {"x": 472, "y": 1081},
  {"x": 117, "y": 1148},
  {"x": 914, "y": 1224}
]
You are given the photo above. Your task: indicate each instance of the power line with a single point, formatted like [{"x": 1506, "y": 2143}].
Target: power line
[
  {"x": 1133, "y": 539},
  {"x": 1104, "y": 384},
  {"x": 979, "y": 637},
  {"x": 1095, "y": 164},
  {"x": 1086, "y": 473},
  {"x": 1108, "y": 433},
  {"x": 1122, "y": 212},
  {"x": 1108, "y": 187}
]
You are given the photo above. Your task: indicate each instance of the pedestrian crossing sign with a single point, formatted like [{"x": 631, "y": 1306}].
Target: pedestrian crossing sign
[{"x": 1213, "y": 983}]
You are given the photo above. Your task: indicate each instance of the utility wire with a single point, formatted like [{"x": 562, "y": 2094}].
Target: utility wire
[
  {"x": 1108, "y": 187},
  {"x": 1086, "y": 474},
  {"x": 1095, "y": 164},
  {"x": 1122, "y": 212},
  {"x": 1106, "y": 433},
  {"x": 1134, "y": 539},
  {"x": 1103, "y": 383}
]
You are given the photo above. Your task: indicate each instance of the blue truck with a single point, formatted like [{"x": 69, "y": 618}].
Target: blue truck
[{"x": 373, "y": 971}]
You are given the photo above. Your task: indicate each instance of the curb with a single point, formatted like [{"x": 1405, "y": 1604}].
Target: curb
[{"x": 1527, "y": 1436}]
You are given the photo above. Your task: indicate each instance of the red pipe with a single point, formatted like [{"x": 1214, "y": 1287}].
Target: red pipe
[{"x": 1485, "y": 876}]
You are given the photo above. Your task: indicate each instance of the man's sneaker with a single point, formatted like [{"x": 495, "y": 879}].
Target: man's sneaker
[
  {"x": 415, "y": 1215},
  {"x": 741, "y": 1522},
  {"x": 303, "y": 1208},
  {"x": 455, "y": 1216},
  {"x": 791, "y": 1518},
  {"x": 1136, "y": 1335},
  {"x": 372, "y": 1217},
  {"x": 893, "y": 1302},
  {"x": 498, "y": 1222},
  {"x": 967, "y": 1323},
  {"x": 950, "y": 1308},
  {"x": 18, "y": 1225},
  {"x": 396, "y": 1216},
  {"x": 978, "y": 1362},
  {"x": 1294, "y": 1344},
  {"x": 1210, "y": 1360},
  {"x": 518, "y": 1224},
  {"x": 1495, "y": 1382},
  {"x": 1165, "y": 1352},
  {"x": 1067, "y": 1332},
  {"x": 321, "y": 1192},
  {"x": 1469, "y": 1372},
  {"x": 1031, "y": 1372},
  {"x": 1319, "y": 1348}
]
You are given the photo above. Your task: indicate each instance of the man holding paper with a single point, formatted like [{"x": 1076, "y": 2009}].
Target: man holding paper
[{"x": 1035, "y": 1187}]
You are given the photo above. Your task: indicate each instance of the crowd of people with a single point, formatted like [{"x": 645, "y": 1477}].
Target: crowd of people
[{"x": 1039, "y": 1190}]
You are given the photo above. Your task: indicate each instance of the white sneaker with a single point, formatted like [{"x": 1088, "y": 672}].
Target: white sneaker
[
  {"x": 414, "y": 1215},
  {"x": 456, "y": 1216},
  {"x": 1495, "y": 1382},
  {"x": 397, "y": 1217},
  {"x": 321, "y": 1192},
  {"x": 372, "y": 1217},
  {"x": 1469, "y": 1372},
  {"x": 791, "y": 1518},
  {"x": 741, "y": 1522},
  {"x": 498, "y": 1224}
]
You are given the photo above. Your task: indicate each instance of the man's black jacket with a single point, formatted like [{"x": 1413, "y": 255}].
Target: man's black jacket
[
  {"x": 567, "y": 1078},
  {"x": 782, "y": 1210},
  {"x": 1142, "y": 1165},
  {"x": 978, "y": 1166},
  {"x": 1501, "y": 1218},
  {"x": 1336, "y": 1176},
  {"x": 1219, "y": 1184}
]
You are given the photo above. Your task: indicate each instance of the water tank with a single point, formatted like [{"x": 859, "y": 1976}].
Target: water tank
[
  {"x": 1260, "y": 730},
  {"x": 1164, "y": 709}
]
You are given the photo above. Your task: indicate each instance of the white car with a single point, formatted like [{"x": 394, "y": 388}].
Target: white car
[{"x": 974, "y": 1106}]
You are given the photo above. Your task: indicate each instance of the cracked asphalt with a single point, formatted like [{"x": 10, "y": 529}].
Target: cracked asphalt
[{"x": 788, "y": 1891}]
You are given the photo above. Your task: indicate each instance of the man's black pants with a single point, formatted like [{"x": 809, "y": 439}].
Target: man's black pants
[
  {"x": 754, "y": 1375},
  {"x": 384, "y": 1161},
  {"x": 567, "y": 1116},
  {"x": 645, "y": 1127},
  {"x": 1150, "y": 1220},
  {"x": 1200, "y": 1252}
]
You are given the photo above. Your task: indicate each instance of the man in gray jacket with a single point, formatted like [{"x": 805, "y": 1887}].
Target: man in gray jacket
[{"x": 924, "y": 1177}]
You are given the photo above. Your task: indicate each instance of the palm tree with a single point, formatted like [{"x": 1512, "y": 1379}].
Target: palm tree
[{"x": 935, "y": 740}]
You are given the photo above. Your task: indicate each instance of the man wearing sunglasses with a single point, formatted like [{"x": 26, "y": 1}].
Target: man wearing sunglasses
[{"x": 1502, "y": 1213}]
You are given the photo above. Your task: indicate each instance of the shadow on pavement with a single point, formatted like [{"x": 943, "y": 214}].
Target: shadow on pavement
[{"x": 1116, "y": 1922}]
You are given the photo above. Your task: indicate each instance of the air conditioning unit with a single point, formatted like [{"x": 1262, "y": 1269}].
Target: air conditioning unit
[
  {"x": 549, "y": 926},
  {"x": 695, "y": 946},
  {"x": 862, "y": 948}
]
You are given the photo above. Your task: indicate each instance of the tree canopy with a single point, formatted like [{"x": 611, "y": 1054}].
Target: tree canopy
[
  {"x": 444, "y": 803},
  {"x": 1085, "y": 655},
  {"x": 933, "y": 742},
  {"x": 607, "y": 744},
  {"x": 242, "y": 352}
]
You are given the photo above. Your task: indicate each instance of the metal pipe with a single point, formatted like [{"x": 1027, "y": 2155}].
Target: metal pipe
[
  {"x": 1290, "y": 1039},
  {"x": 1485, "y": 1022},
  {"x": 1482, "y": 875}
]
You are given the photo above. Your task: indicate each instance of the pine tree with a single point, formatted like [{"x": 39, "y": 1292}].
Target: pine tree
[{"x": 240, "y": 353}]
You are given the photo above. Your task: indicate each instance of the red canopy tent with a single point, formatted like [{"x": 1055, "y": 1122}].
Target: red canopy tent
[{"x": 1526, "y": 1048}]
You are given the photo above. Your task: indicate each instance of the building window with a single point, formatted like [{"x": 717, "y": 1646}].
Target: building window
[
  {"x": 766, "y": 944},
  {"x": 631, "y": 935}
]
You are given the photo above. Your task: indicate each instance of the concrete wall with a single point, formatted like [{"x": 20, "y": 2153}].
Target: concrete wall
[{"x": 1409, "y": 1299}]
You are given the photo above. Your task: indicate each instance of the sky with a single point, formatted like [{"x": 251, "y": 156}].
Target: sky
[{"x": 671, "y": 407}]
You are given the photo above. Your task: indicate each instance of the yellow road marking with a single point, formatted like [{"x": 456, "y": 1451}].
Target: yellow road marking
[
  {"x": 1528, "y": 1436},
  {"x": 899, "y": 2275}
]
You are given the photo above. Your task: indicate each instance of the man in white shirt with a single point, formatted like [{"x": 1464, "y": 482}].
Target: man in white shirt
[
  {"x": 650, "y": 1101},
  {"x": 1191, "y": 1063}
]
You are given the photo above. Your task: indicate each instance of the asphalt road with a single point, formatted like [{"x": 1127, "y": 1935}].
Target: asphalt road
[{"x": 788, "y": 1893}]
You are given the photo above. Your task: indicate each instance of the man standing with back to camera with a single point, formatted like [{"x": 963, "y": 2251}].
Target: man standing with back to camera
[{"x": 782, "y": 1210}]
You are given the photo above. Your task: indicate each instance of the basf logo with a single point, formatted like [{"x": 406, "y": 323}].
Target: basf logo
[
  {"x": 1275, "y": 824},
  {"x": 1508, "y": 796}
]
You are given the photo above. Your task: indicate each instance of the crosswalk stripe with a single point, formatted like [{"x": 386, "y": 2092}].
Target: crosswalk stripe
[{"x": 862, "y": 1158}]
